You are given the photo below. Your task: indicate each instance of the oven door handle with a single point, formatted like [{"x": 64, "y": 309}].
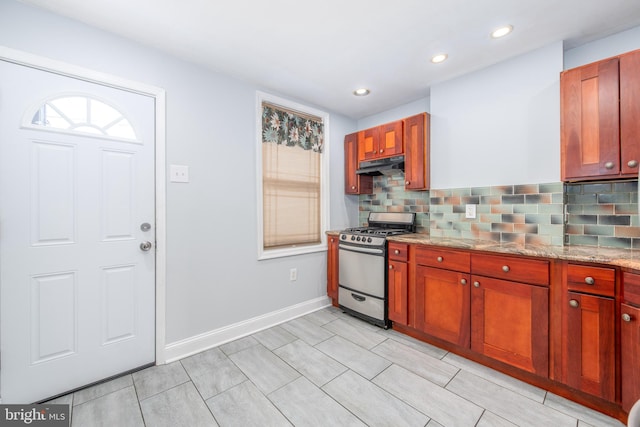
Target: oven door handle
[
  {"x": 358, "y": 297},
  {"x": 373, "y": 251}
]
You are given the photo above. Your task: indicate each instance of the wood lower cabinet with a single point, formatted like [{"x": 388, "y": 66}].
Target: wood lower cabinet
[
  {"x": 630, "y": 355},
  {"x": 510, "y": 323},
  {"x": 332, "y": 269},
  {"x": 443, "y": 304},
  {"x": 589, "y": 344},
  {"x": 398, "y": 282},
  {"x": 354, "y": 183}
]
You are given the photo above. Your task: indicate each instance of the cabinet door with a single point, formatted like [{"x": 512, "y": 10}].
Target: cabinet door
[
  {"x": 443, "y": 304},
  {"x": 630, "y": 355},
  {"x": 589, "y": 344},
  {"x": 354, "y": 183},
  {"x": 510, "y": 323},
  {"x": 397, "y": 281},
  {"x": 368, "y": 141},
  {"x": 416, "y": 152},
  {"x": 589, "y": 114},
  {"x": 630, "y": 111},
  {"x": 390, "y": 141},
  {"x": 332, "y": 269}
]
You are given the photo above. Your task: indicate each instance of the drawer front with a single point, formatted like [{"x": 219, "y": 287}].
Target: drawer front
[
  {"x": 398, "y": 251},
  {"x": 631, "y": 288},
  {"x": 523, "y": 270},
  {"x": 593, "y": 280},
  {"x": 442, "y": 258}
]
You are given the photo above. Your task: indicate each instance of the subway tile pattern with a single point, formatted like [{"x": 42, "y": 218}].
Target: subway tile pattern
[
  {"x": 557, "y": 214},
  {"x": 389, "y": 195},
  {"x": 354, "y": 374},
  {"x": 603, "y": 214}
]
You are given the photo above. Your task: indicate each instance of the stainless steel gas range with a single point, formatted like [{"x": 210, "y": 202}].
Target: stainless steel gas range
[{"x": 362, "y": 253}]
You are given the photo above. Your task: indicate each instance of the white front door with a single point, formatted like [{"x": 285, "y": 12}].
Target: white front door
[{"x": 77, "y": 289}]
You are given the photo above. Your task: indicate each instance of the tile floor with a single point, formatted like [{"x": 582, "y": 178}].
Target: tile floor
[{"x": 324, "y": 369}]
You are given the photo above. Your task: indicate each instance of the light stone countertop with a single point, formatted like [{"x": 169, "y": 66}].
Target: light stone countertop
[{"x": 626, "y": 258}]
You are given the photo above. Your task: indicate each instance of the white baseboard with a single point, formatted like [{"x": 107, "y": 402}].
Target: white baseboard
[{"x": 189, "y": 346}]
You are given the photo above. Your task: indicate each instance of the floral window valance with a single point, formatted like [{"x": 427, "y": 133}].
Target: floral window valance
[{"x": 291, "y": 128}]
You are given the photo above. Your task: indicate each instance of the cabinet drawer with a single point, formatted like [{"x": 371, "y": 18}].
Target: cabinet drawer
[
  {"x": 631, "y": 288},
  {"x": 523, "y": 270},
  {"x": 398, "y": 251},
  {"x": 442, "y": 258},
  {"x": 593, "y": 280}
]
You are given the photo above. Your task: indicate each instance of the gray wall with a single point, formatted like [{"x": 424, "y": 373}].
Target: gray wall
[{"x": 213, "y": 276}]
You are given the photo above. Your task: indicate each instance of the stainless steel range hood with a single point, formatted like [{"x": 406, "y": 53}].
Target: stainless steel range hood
[{"x": 386, "y": 166}]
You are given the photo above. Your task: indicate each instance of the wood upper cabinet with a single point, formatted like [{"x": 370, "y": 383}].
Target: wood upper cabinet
[
  {"x": 381, "y": 141},
  {"x": 589, "y": 344},
  {"x": 600, "y": 119},
  {"x": 630, "y": 112},
  {"x": 354, "y": 183},
  {"x": 416, "y": 152},
  {"x": 510, "y": 323},
  {"x": 332, "y": 269}
]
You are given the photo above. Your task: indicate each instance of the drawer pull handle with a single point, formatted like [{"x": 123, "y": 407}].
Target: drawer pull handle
[
  {"x": 397, "y": 252},
  {"x": 505, "y": 268},
  {"x": 439, "y": 259},
  {"x": 358, "y": 297},
  {"x": 476, "y": 284},
  {"x": 589, "y": 280},
  {"x": 627, "y": 317},
  {"x": 463, "y": 282},
  {"x": 574, "y": 303}
]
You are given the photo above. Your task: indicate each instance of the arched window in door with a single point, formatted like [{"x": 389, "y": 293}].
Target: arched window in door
[{"x": 84, "y": 115}]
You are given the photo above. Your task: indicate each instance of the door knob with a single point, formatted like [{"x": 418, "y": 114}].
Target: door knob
[{"x": 145, "y": 246}]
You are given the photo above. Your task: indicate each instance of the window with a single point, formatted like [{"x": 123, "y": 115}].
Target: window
[
  {"x": 292, "y": 159},
  {"x": 82, "y": 114}
]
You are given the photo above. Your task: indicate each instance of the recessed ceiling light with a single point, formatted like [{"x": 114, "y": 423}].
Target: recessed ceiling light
[
  {"x": 436, "y": 59},
  {"x": 361, "y": 92},
  {"x": 501, "y": 32}
]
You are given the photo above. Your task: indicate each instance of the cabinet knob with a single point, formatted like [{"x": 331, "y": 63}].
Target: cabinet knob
[
  {"x": 574, "y": 303},
  {"x": 476, "y": 284},
  {"x": 626, "y": 317},
  {"x": 439, "y": 259},
  {"x": 397, "y": 252},
  {"x": 608, "y": 165},
  {"x": 589, "y": 280},
  {"x": 375, "y": 152},
  {"x": 407, "y": 183},
  {"x": 381, "y": 151},
  {"x": 332, "y": 240},
  {"x": 463, "y": 282},
  {"x": 353, "y": 187},
  {"x": 505, "y": 268},
  {"x": 632, "y": 163},
  {"x": 390, "y": 267}
]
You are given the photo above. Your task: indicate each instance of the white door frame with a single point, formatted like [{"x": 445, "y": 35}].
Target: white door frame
[{"x": 69, "y": 70}]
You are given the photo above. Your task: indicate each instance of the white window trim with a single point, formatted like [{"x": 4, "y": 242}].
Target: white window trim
[{"x": 324, "y": 176}]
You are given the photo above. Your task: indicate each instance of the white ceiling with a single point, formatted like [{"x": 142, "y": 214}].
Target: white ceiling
[{"x": 320, "y": 51}]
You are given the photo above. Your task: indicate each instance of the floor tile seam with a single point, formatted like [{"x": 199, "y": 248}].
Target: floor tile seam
[
  {"x": 237, "y": 339},
  {"x": 345, "y": 408},
  {"x": 303, "y": 375},
  {"x": 421, "y": 351},
  {"x": 102, "y": 395},
  {"x": 532, "y": 401},
  {"x": 162, "y": 391},
  {"x": 394, "y": 395},
  {"x": 202, "y": 399},
  {"x": 547, "y": 393},
  {"x": 73, "y": 398}
]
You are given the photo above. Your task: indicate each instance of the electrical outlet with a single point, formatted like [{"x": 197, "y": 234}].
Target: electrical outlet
[
  {"x": 293, "y": 274},
  {"x": 470, "y": 211},
  {"x": 179, "y": 173}
]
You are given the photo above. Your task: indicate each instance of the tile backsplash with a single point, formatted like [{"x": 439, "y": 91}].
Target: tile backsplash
[{"x": 593, "y": 214}]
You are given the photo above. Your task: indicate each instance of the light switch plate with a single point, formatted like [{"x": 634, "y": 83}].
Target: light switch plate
[
  {"x": 179, "y": 173},
  {"x": 470, "y": 211}
]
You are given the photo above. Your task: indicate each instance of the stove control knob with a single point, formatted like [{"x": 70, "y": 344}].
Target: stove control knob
[
  {"x": 353, "y": 237},
  {"x": 358, "y": 238},
  {"x": 369, "y": 240}
]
